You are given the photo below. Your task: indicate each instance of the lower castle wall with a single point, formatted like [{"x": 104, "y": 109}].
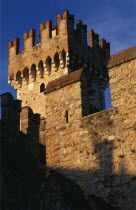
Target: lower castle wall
[{"x": 98, "y": 152}]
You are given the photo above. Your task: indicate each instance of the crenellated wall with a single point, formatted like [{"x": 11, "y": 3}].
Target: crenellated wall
[
  {"x": 62, "y": 50},
  {"x": 63, "y": 79},
  {"x": 10, "y": 114}
]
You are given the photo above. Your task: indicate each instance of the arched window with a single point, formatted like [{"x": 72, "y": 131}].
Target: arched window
[
  {"x": 41, "y": 68},
  {"x": 11, "y": 77},
  {"x": 18, "y": 77},
  {"x": 56, "y": 61},
  {"x": 48, "y": 64},
  {"x": 26, "y": 75},
  {"x": 42, "y": 87},
  {"x": 33, "y": 72},
  {"x": 63, "y": 56}
]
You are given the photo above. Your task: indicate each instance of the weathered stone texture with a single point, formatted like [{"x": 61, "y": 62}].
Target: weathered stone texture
[
  {"x": 68, "y": 99},
  {"x": 96, "y": 151},
  {"x": 123, "y": 85},
  {"x": 96, "y": 154},
  {"x": 122, "y": 57},
  {"x": 62, "y": 50}
]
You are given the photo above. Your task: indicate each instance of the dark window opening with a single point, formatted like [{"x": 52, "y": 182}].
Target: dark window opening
[
  {"x": 26, "y": 75},
  {"x": 18, "y": 77},
  {"x": 66, "y": 116},
  {"x": 41, "y": 68},
  {"x": 63, "y": 56},
  {"x": 42, "y": 87},
  {"x": 33, "y": 72},
  {"x": 48, "y": 64},
  {"x": 56, "y": 61}
]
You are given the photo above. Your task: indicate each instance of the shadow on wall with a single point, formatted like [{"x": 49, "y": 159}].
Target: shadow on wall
[
  {"x": 27, "y": 186},
  {"x": 119, "y": 189},
  {"x": 21, "y": 159},
  {"x": 30, "y": 123}
]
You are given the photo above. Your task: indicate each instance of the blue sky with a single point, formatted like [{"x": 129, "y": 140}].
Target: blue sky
[{"x": 114, "y": 20}]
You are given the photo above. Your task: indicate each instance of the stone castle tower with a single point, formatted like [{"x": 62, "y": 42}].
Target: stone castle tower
[
  {"x": 62, "y": 50},
  {"x": 63, "y": 79}
]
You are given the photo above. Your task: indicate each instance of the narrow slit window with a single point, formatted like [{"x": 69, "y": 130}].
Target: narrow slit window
[{"x": 66, "y": 116}]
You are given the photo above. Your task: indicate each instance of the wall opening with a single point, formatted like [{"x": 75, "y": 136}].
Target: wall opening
[
  {"x": 56, "y": 61},
  {"x": 26, "y": 75},
  {"x": 107, "y": 95},
  {"x": 48, "y": 64},
  {"x": 18, "y": 78},
  {"x": 42, "y": 88},
  {"x": 11, "y": 78},
  {"x": 66, "y": 116},
  {"x": 33, "y": 72},
  {"x": 63, "y": 56},
  {"x": 41, "y": 68}
]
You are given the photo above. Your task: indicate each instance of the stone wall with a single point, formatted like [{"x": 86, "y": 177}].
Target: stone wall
[
  {"x": 63, "y": 105},
  {"x": 30, "y": 123},
  {"x": 123, "y": 85},
  {"x": 10, "y": 114},
  {"x": 32, "y": 97},
  {"x": 98, "y": 152}
]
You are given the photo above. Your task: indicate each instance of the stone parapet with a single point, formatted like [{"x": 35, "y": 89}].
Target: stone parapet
[{"x": 122, "y": 57}]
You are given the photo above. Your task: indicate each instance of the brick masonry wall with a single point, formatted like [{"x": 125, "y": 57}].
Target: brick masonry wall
[
  {"x": 98, "y": 151},
  {"x": 60, "y": 101}
]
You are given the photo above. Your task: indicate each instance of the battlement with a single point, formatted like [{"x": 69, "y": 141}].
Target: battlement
[
  {"x": 10, "y": 113},
  {"x": 47, "y": 31},
  {"x": 93, "y": 38},
  {"x": 63, "y": 80},
  {"x": 14, "y": 45},
  {"x": 61, "y": 47}
]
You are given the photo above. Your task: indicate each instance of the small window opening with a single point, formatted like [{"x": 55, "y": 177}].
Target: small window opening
[
  {"x": 63, "y": 56},
  {"x": 66, "y": 116},
  {"x": 42, "y": 87},
  {"x": 33, "y": 72},
  {"x": 26, "y": 74},
  {"x": 41, "y": 68},
  {"x": 48, "y": 64},
  {"x": 56, "y": 61}
]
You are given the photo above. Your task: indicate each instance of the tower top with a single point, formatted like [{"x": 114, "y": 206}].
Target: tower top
[{"x": 62, "y": 49}]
